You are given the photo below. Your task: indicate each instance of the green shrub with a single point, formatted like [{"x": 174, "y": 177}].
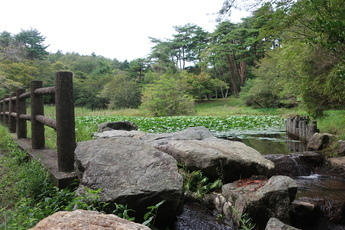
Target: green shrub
[
  {"x": 122, "y": 91},
  {"x": 167, "y": 96}
]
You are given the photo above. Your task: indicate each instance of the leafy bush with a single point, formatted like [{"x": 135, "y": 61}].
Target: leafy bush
[
  {"x": 167, "y": 96},
  {"x": 122, "y": 92},
  {"x": 259, "y": 93}
]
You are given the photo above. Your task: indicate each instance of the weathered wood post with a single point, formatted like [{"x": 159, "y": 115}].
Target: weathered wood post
[
  {"x": 65, "y": 124},
  {"x": 1, "y": 110},
  {"x": 6, "y": 110},
  {"x": 288, "y": 125},
  {"x": 302, "y": 129},
  {"x": 12, "y": 109},
  {"x": 37, "y": 128},
  {"x": 311, "y": 130},
  {"x": 21, "y": 109},
  {"x": 295, "y": 127}
]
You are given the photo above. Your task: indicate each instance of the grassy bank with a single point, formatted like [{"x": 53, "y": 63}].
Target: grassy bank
[
  {"x": 219, "y": 107},
  {"x": 333, "y": 122},
  {"x": 26, "y": 192},
  {"x": 21, "y": 183}
]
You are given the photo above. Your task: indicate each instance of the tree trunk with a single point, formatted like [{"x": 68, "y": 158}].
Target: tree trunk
[
  {"x": 232, "y": 68},
  {"x": 226, "y": 93},
  {"x": 243, "y": 67}
]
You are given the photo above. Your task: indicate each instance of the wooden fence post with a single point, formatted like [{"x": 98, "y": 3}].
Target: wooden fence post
[
  {"x": 21, "y": 109},
  {"x": 302, "y": 130},
  {"x": 12, "y": 109},
  {"x": 2, "y": 110},
  {"x": 311, "y": 130},
  {"x": 6, "y": 117},
  {"x": 37, "y": 128},
  {"x": 65, "y": 124}
]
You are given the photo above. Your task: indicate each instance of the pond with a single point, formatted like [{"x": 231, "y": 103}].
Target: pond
[{"x": 265, "y": 141}]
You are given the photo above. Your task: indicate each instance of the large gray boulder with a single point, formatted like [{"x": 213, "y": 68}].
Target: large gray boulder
[
  {"x": 319, "y": 141},
  {"x": 130, "y": 172},
  {"x": 220, "y": 158},
  {"x": 191, "y": 133},
  {"x": 91, "y": 220},
  {"x": 118, "y": 133},
  {"x": 197, "y": 149},
  {"x": 296, "y": 164},
  {"x": 261, "y": 200}
]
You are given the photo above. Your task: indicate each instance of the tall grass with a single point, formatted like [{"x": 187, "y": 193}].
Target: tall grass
[
  {"x": 234, "y": 106},
  {"x": 26, "y": 192},
  {"x": 218, "y": 107},
  {"x": 49, "y": 111},
  {"x": 21, "y": 183},
  {"x": 333, "y": 122}
]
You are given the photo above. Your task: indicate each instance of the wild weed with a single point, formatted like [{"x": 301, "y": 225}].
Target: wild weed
[
  {"x": 150, "y": 216},
  {"x": 196, "y": 182},
  {"x": 245, "y": 222}
]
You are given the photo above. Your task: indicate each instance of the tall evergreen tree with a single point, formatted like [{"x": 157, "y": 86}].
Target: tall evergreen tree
[{"x": 32, "y": 40}]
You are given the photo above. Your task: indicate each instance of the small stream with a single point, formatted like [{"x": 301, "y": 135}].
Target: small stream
[
  {"x": 317, "y": 183},
  {"x": 321, "y": 186},
  {"x": 314, "y": 184}
]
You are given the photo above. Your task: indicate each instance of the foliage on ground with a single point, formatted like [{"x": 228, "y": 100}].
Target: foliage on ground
[
  {"x": 220, "y": 126},
  {"x": 27, "y": 194}
]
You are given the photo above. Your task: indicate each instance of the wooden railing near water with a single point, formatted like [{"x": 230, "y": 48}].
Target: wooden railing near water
[
  {"x": 13, "y": 114},
  {"x": 301, "y": 128}
]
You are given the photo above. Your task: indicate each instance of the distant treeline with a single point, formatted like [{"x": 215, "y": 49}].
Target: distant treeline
[{"x": 284, "y": 55}]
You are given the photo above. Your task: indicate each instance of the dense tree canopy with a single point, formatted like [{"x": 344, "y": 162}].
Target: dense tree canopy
[{"x": 287, "y": 53}]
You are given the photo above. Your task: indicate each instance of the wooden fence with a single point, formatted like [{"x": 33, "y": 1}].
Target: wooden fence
[
  {"x": 13, "y": 114},
  {"x": 301, "y": 128}
]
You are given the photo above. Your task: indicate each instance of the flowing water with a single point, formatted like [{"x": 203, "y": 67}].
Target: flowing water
[{"x": 318, "y": 184}]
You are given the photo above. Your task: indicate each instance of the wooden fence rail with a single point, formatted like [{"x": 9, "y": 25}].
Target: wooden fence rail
[{"x": 13, "y": 114}]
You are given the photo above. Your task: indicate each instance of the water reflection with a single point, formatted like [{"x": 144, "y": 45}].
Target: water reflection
[
  {"x": 271, "y": 143},
  {"x": 295, "y": 145},
  {"x": 320, "y": 186}
]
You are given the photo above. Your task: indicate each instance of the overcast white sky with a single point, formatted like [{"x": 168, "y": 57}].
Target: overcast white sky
[{"x": 110, "y": 28}]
